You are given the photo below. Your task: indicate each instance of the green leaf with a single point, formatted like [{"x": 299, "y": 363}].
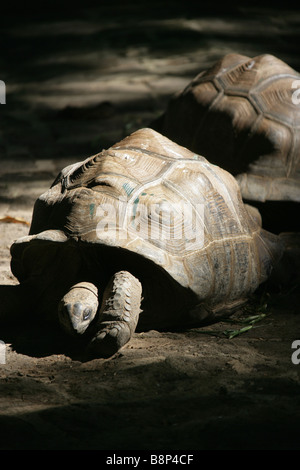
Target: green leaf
[{"x": 232, "y": 333}]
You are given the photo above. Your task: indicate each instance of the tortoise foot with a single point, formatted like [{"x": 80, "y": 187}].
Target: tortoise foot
[
  {"x": 118, "y": 316},
  {"x": 110, "y": 339}
]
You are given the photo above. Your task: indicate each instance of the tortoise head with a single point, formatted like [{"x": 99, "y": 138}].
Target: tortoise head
[{"x": 78, "y": 308}]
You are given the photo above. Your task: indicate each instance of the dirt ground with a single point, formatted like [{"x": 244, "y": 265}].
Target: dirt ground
[{"x": 78, "y": 82}]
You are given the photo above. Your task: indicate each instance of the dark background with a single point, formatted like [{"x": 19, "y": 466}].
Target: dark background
[{"x": 61, "y": 64}]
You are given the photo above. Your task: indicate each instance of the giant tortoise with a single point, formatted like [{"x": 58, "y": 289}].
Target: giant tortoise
[
  {"x": 144, "y": 235},
  {"x": 243, "y": 114}
]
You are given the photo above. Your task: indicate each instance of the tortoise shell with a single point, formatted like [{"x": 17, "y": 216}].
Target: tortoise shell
[
  {"x": 159, "y": 211},
  {"x": 243, "y": 114}
]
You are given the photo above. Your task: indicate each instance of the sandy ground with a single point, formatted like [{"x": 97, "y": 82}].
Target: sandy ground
[{"x": 77, "y": 84}]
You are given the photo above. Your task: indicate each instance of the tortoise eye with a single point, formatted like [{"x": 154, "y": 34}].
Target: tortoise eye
[{"x": 87, "y": 313}]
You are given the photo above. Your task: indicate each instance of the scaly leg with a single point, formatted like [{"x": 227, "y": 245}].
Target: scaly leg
[{"x": 118, "y": 316}]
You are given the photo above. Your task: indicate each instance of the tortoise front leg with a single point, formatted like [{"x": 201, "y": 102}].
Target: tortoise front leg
[{"x": 118, "y": 316}]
